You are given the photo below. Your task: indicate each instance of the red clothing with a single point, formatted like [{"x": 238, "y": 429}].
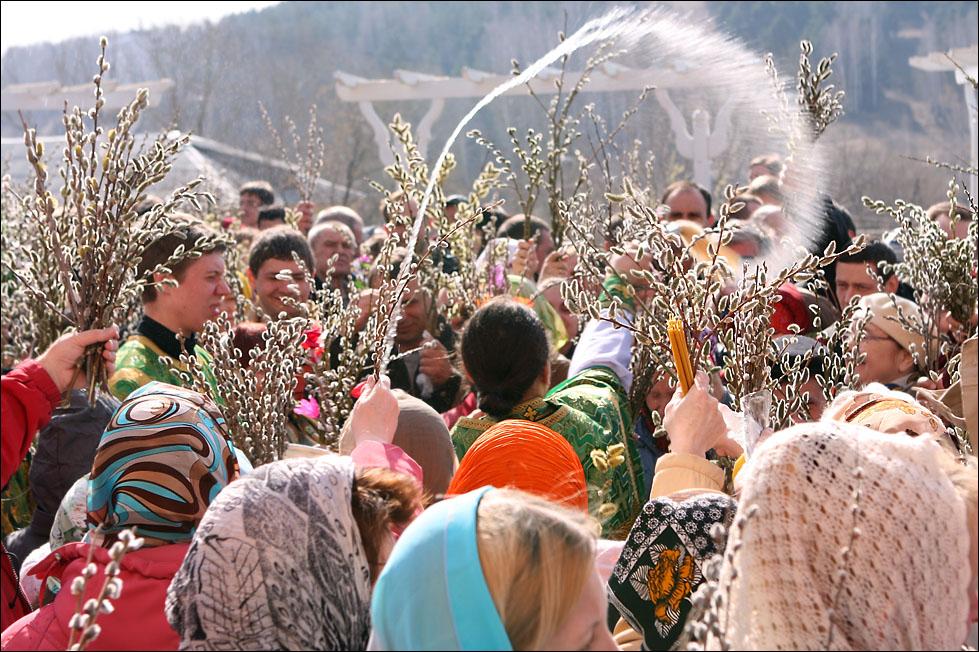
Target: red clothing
[
  {"x": 28, "y": 396},
  {"x": 138, "y": 622},
  {"x": 792, "y": 309}
]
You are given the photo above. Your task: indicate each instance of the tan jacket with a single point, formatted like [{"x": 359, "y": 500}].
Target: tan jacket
[
  {"x": 626, "y": 638},
  {"x": 680, "y": 471}
]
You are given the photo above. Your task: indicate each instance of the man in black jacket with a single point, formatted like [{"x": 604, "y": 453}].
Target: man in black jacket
[
  {"x": 424, "y": 349},
  {"x": 424, "y": 345}
]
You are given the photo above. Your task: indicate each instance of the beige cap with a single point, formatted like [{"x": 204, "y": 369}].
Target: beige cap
[{"x": 885, "y": 317}]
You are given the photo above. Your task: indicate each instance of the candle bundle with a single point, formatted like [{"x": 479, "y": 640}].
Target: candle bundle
[{"x": 681, "y": 355}]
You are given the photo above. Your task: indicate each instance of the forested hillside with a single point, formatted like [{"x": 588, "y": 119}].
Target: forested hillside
[{"x": 285, "y": 56}]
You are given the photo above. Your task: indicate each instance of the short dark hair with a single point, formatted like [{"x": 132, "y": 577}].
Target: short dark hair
[
  {"x": 682, "y": 186},
  {"x": 748, "y": 233},
  {"x": 454, "y": 200},
  {"x": 187, "y": 232},
  {"x": 379, "y": 271},
  {"x": 796, "y": 348},
  {"x": 279, "y": 243},
  {"x": 397, "y": 199},
  {"x": 504, "y": 349},
  {"x": 247, "y": 336},
  {"x": 875, "y": 252},
  {"x": 513, "y": 227},
  {"x": 270, "y": 213},
  {"x": 613, "y": 229},
  {"x": 372, "y": 246},
  {"x": 261, "y": 189},
  {"x": 147, "y": 204}
]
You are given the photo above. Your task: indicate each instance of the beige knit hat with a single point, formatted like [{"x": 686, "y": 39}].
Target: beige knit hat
[
  {"x": 891, "y": 575},
  {"x": 884, "y": 308}
]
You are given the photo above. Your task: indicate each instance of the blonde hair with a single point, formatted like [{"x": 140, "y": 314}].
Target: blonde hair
[{"x": 536, "y": 557}]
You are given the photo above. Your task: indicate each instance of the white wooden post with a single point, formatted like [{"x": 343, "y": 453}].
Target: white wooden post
[
  {"x": 961, "y": 61},
  {"x": 973, "y": 111}
]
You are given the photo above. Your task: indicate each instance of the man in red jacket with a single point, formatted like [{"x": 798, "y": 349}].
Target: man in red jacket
[{"x": 30, "y": 393}]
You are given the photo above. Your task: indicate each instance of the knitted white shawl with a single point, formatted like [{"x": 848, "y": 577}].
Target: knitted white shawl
[{"x": 902, "y": 585}]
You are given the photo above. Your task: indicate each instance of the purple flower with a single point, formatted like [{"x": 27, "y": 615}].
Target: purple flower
[
  {"x": 308, "y": 407},
  {"x": 499, "y": 277}
]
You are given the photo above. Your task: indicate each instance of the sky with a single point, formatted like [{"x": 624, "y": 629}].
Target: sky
[{"x": 25, "y": 23}]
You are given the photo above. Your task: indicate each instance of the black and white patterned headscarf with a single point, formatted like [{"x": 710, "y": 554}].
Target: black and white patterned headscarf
[
  {"x": 662, "y": 563},
  {"x": 276, "y": 563}
]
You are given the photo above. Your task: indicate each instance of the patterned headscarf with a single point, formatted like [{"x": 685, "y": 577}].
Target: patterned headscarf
[
  {"x": 277, "y": 563},
  {"x": 526, "y": 456},
  {"x": 662, "y": 564},
  {"x": 70, "y": 522},
  {"x": 887, "y": 411},
  {"x": 163, "y": 458}
]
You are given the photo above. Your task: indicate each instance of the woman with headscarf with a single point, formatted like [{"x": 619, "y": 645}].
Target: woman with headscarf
[
  {"x": 297, "y": 545},
  {"x": 849, "y": 539},
  {"x": 506, "y": 354},
  {"x": 493, "y": 569},
  {"x": 527, "y": 456},
  {"x": 662, "y": 564},
  {"x": 164, "y": 457}
]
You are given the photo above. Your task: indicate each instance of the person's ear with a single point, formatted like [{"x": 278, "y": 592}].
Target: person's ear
[
  {"x": 163, "y": 283},
  {"x": 905, "y": 361},
  {"x": 545, "y": 374},
  {"x": 890, "y": 285}
]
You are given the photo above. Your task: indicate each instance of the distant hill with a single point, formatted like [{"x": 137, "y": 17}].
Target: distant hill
[{"x": 286, "y": 56}]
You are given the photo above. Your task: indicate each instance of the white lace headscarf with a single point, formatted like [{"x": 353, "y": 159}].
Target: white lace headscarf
[
  {"x": 276, "y": 563},
  {"x": 902, "y": 585}
]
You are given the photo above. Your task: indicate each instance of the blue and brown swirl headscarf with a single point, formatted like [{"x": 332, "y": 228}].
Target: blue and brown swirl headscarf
[{"x": 161, "y": 461}]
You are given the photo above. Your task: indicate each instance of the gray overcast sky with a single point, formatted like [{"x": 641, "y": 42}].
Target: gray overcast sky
[{"x": 24, "y": 23}]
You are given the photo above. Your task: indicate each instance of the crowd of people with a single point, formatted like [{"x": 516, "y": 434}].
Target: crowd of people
[{"x": 498, "y": 488}]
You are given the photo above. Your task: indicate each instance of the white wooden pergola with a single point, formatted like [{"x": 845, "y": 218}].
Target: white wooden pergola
[
  {"x": 696, "y": 140},
  {"x": 51, "y": 95},
  {"x": 964, "y": 62}
]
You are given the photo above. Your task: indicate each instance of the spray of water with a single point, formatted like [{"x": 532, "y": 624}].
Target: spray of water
[{"x": 722, "y": 73}]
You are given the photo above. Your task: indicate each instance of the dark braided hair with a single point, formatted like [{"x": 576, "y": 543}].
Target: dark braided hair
[{"x": 504, "y": 349}]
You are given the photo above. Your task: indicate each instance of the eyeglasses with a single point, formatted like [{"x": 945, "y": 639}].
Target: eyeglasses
[{"x": 879, "y": 338}]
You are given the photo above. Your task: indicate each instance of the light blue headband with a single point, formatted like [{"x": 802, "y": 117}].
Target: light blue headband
[{"x": 432, "y": 594}]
